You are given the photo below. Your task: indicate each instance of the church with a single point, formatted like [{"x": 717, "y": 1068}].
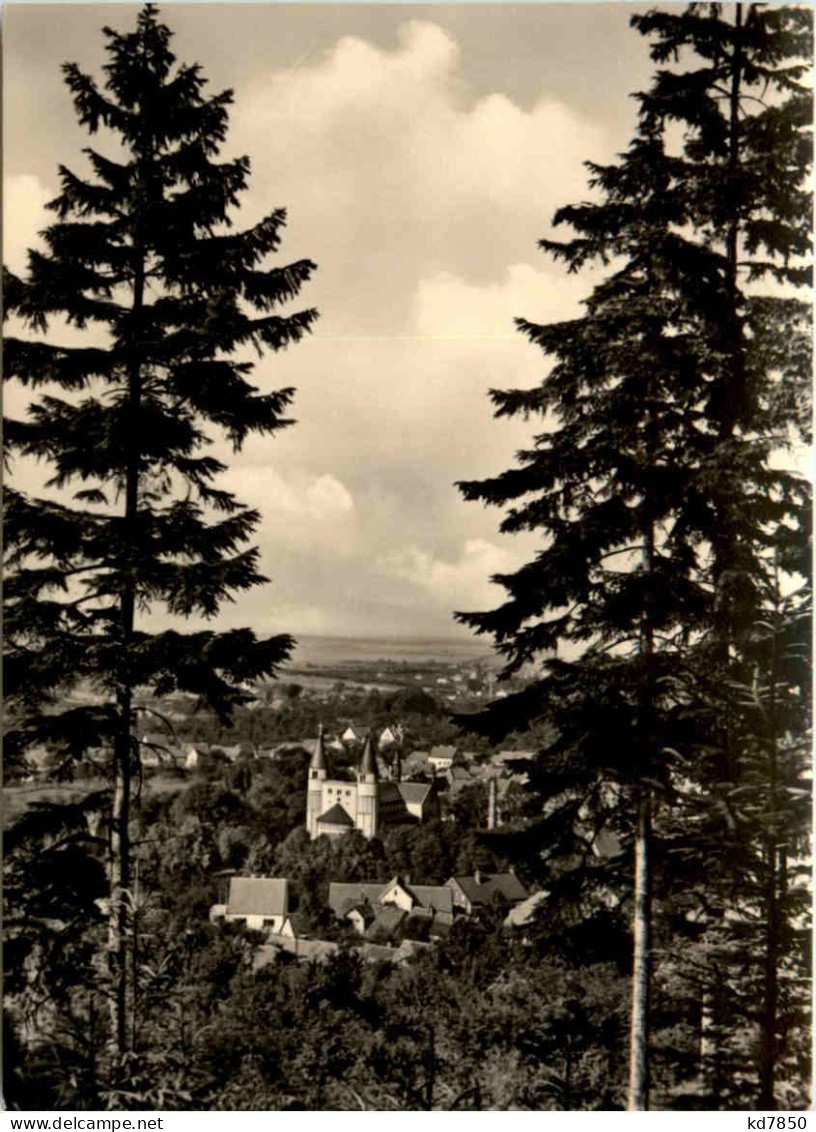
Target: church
[{"x": 334, "y": 807}]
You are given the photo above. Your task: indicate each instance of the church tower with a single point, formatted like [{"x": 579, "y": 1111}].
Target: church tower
[
  {"x": 317, "y": 776},
  {"x": 367, "y": 791}
]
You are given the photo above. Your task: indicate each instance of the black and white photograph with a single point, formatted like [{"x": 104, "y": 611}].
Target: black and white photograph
[{"x": 407, "y": 558}]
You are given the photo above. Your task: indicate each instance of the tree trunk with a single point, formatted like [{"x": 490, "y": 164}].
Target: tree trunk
[
  {"x": 638, "y": 1099},
  {"x": 770, "y": 997},
  {"x": 120, "y": 876},
  {"x": 119, "y": 917}
]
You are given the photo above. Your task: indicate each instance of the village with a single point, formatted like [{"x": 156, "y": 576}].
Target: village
[
  {"x": 395, "y": 919},
  {"x": 390, "y": 921}
]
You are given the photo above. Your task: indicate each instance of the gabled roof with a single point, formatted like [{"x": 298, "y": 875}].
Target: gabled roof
[
  {"x": 435, "y": 896},
  {"x": 414, "y": 792},
  {"x": 364, "y": 909},
  {"x": 300, "y": 925},
  {"x": 258, "y": 896},
  {"x": 344, "y": 896},
  {"x": 335, "y": 816},
  {"x": 460, "y": 774},
  {"x": 506, "y": 886},
  {"x": 386, "y": 923}
]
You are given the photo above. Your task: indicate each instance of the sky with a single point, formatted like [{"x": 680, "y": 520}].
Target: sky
[{"x": 421, "y": 152}]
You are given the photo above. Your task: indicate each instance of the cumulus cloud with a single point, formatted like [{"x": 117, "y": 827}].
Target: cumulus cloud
[
  {"x": 298, "y": 505},
  {"x": 394, "y": 169},
  {"x": 463, "y": 582},
  {"x": 24, "y": 215}
]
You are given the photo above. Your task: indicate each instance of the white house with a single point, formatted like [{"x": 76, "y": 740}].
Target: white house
[
  {"x": 262, "y": 903},
  {"x": 441, "y": 758}
]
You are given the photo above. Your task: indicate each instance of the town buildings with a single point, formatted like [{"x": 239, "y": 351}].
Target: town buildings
[{"x": 392, "y": 919}]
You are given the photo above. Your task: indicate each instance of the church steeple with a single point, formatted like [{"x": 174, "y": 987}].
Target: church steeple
[
  {"x": 368, "y": 763},
  {"x": 317, "y": 776},
  {"x": 368, "y": 791},
  {"x": 319, "y": 755}
]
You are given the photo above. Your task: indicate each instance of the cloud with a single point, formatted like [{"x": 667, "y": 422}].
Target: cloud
[
  {"x": 447, "y": 306},
  {"x": 306, "y": 500},
  {"x": 463, "y": 583},
  {"x": 24, "y": 200},
  {"x": 393, "y": 170}
]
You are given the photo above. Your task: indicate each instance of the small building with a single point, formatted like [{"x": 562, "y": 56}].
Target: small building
[
  {"x": 426, "y": 906},
  {"x": 344, "y": 896},
  {"x": 361, "y": 916},
  {"x": 441, "y": 757},
  {"x": 483, "y": 890},
  {"x": 261, "y": 903}
]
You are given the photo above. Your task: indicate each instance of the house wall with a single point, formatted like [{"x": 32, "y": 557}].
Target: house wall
[
  {"x": 260, "y": 923},
  {"x": 459, "y": 898},
  {"x": 438, "y": 762},
  {"x": 396, "y": 894},
  {"x": 332, "y": 830},
  {"x": 357, "y": 920}
]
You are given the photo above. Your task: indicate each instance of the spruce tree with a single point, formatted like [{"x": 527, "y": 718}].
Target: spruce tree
[
  {"x": 650, "y": 482},
  {"x": 141, "y": 252},
  {"x": 737, "y": 86}
]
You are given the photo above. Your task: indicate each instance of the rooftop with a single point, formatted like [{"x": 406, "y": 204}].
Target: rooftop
[
  {"x": 258, "y": 896},
  {"x": 487, "y": 887},
  {"x": 335, "y": 816}
]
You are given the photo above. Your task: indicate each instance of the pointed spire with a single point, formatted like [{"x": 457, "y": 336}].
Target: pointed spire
[
  {"x": 319, "y": 757},
  {"x": 368, "y": 763}
]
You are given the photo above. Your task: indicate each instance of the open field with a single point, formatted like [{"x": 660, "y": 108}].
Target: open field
[{"x": 19, "y": 798}]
